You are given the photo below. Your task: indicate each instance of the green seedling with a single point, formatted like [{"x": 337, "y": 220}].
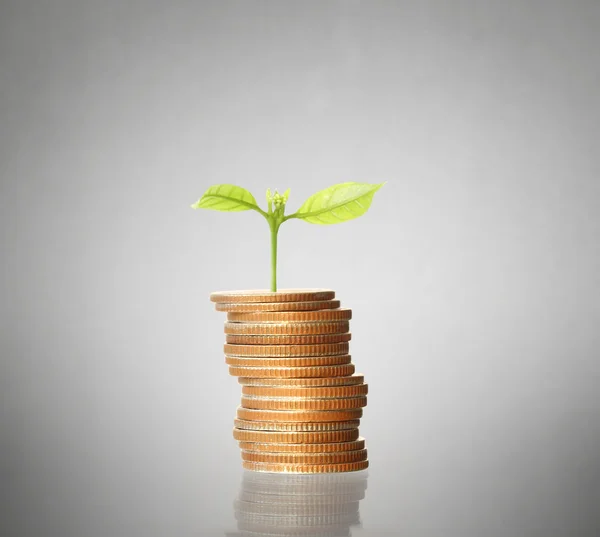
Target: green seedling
[{"x": 336, "y": 204}]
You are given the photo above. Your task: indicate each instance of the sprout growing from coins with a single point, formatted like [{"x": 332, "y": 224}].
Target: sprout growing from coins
[{"x": 336, "y": 204}]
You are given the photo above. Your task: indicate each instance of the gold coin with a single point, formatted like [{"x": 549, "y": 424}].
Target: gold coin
[
  {"x": 305, "y": 458},
  {"x": 324, "y": 349},
  {"x": 294, "y": 361},
  {"x": 306, "y": 392},
  {"x": 305, "y": 468},
  {"x": 272, "y": 403},
  {"x": 293, "y": 372},
  {"x": 286, "y": 447},
  {"x": 287, "y": 328},
  {"x": 310, "y": 339},
  {"x": 305, "y": 416},
  {"x": 304, "y": 438},
  {"x": 296, "y": 427},
  {"x": 321, "y": 382},
  {"x": 263, "y": 295},
  {"x": 340, "y": 314},
  {"x": 278, "y": 306}
]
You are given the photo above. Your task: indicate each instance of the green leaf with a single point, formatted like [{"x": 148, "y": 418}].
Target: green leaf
[
  {"x": 338, "y": 203},
  {"x": 227, "y": 198}
]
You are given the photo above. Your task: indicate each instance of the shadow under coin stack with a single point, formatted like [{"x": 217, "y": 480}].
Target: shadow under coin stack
[{"x": 301, "y": 401}]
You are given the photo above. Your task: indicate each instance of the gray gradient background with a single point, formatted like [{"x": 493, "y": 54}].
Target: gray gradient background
[{"x": 474, "y": 278}]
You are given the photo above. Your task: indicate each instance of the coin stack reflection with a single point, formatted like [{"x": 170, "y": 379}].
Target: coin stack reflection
[
  {"x": 301, "y": 399},
  {"x": 286, "y": 505}
]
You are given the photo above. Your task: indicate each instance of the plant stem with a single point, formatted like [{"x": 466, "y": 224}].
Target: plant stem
[{"x": 274, "y": 229}]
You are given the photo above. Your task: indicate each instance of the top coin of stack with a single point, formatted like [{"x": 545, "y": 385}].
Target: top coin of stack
[{"x": 290, "y": 351}]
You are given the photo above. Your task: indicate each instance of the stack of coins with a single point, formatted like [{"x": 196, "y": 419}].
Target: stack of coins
[
  {"x": 284, "y": 505},
  {"x": 301, "y": 400}
]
